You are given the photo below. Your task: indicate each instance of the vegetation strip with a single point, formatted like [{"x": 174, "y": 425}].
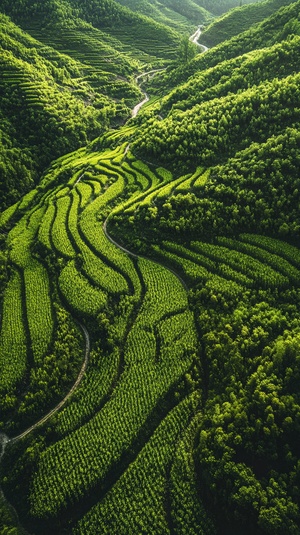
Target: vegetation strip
[{"x": 69, "y": 394}]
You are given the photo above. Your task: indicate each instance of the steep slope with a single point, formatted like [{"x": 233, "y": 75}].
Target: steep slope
[
  {"x": 231, "y": 76},
  {"x": 239, "y": 20},
  {"x": 210, "y": 132},
  {"x": 217, "y": 7},
  {"x": 276, "y": 28},
  {"x": 133, "y": 30},
  {"x": 227, "y": 116},
  {"x": 182, "y": 14},
  {"x": 49, "y": 106},
  {"x": 175, "y": 289},
  {"x": 177, "y": 14}
]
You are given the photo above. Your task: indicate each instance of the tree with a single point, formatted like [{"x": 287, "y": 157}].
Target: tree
[{"x": 186, "y": 50}]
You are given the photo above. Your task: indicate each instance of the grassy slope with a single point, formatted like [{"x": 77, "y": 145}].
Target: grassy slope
[
  {"x": 220, "y": 113},
  {"x": 136, "y": 31},
  {"x": 92, "y": 79}
]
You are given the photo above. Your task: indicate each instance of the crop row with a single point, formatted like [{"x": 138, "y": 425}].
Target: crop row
[
  {"x": 148, "y": 197},
  {"x": 285, "y": 271},
  {"x": 44, "y": 233},
  {"x": 190, "y": 269},
  {"x": 216, "y": 284},
  {"x": 36, "y": 283},
  {"x": 13, "y": 343},
  {"x": 185, "y": 185},
  {"x": 167, "y": 190},
  {"x": 78, "y": 292},
  {"x": 137, "y": 502},
  {"x": 278, "y": 247},
  {"x": 95, "y": 236},
  {"x": 111, "y": 193},
  {"x": 196, "y": 257},
  {"x": 160, "y": 283},
  {"x": 188, "y": 513},
  {"x": 72, "y": 44},
  {"x": 27, "y": 200},
  {"x": 242, "y": 262},
  {"x": 93, "y": 232},
  {"x": 20, "y": 240},
  {"x": 144, "y": 175},
  {"x": 93, "y": 266},
  {"x": 93, "y": 390},
  {"x": 59, "y": 234},
  {"x": 8, "y": 214},
  {"x": 143, "y": 169},
  {"x": 134, "y": 178},
  {"x": 86, "y": 193},
  {"x": 39, "y": 308},
  {"x": 96, "y": 186},
  {"x": 72, "y": 466}
]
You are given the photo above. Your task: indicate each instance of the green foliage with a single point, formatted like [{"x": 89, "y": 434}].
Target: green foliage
[
  {"x": 280, "y": 26},
  {"x": 59, "y": 235},
  {"x": 250, "y": 342},
  {"x": 144, "y": 482},
  {"x": 13, "y": 348},
  {"x": 78, "y": 293},
  {"x": 186, "y": 51},
  {"x": 239, "y": 20},
  {"x": 129, "y": 27},
  {"x": 153, "y": 377},
  {"x": 234, "y": 75},
  {"x": 217, "y": 7},
  {"x": 181, "y": 16},
  {"x": 186, "y": 419},
  {"x": 207, "y": 132}
]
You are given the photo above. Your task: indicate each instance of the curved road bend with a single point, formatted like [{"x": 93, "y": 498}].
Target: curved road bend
[
  {"x": 141, "y": 256},
  {"x": 195, "y": 37},
  {"x": 152, "y": 73},
  {"x": 3, "y": 438},
  {"x": 63, "y": 401}
]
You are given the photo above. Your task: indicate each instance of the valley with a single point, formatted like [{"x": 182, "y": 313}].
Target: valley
[{"x": 149, "y": 268}]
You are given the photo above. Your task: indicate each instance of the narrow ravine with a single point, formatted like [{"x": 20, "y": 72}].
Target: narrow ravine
[{"x": 149, "y": 74}]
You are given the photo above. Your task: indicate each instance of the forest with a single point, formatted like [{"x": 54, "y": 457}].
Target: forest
[{"x": 149, "y": 267}]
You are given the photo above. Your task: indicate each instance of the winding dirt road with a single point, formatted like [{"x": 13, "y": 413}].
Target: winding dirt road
[
  {"x": 4, "y": 440},
  {"x": 146, "y": 74},
  {"x": 195, "y": 37},
  {"x": 63, "y": 401},
  {"x": 127, "y": 251}
]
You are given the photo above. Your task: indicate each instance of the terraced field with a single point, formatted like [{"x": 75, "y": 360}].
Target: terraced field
[{"x": 118, "y": 454}]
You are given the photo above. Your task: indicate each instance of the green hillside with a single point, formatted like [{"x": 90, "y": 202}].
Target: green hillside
[
  {"x": 239, "y": 20},
  {"x": 134, "y": 31},
  {"x": 177, "y": 14},
  {"x": 51, "y": 104},
  {"x": 217, "y": 7},
  {"x": 149, "y": 273},
  {"x": 279, "y": 27}
]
